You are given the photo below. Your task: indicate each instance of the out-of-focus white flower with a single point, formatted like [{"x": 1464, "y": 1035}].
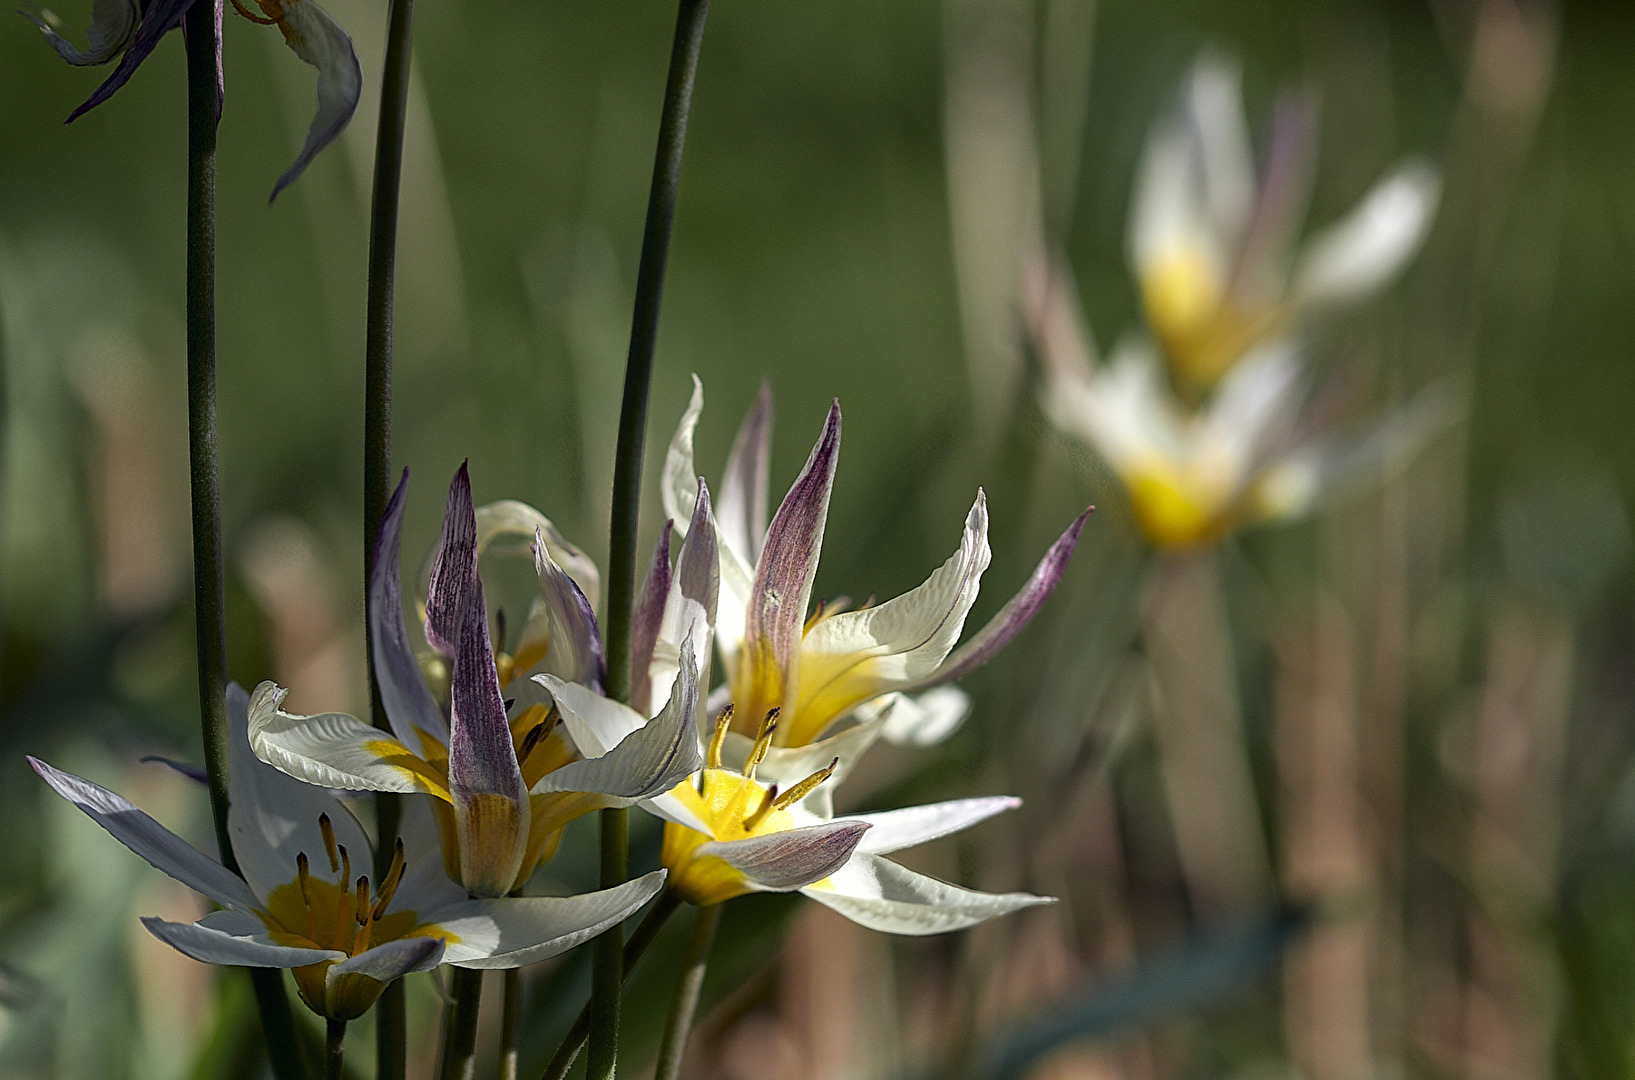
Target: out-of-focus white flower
[{"x": 1213, "y": 245}]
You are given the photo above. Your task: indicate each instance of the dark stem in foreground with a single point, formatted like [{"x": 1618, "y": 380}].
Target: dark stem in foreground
[
  {"x": 679, "y": 1024},
  {"x": 209, "y": 594},
  {"x": 607, "y": 972},
  {"x": 391, "y": 1031},
  {"x": 646, "y": 931},
  {"x": 334, "y": 1050},
  {"x": 460, "y": 1032}
]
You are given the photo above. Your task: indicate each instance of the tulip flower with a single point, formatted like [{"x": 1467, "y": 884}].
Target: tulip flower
[
  {"x": 1212, "y": 244},
  {"x": 818, "y": 669},
  {"x": 296, "y": 904},
  {"x": 132, "y": 30}
]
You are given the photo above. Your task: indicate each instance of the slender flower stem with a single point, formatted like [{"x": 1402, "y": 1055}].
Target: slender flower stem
[
  {"x": 203, "y": 33},
  {"x": 509, "y": 1019},
  {"x": 646, "y": 931},
  {"x": 334, "y": 1050},
  {"x": 679, "y": 1024},
  {"x": 460, "y": 1034},
  {"x": 391, "y": 1030},
  {"x": 607, "y": 974}
]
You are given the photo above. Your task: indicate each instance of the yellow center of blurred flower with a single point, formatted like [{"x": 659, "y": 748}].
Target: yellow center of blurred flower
[{"x": 1204, "y": 330}]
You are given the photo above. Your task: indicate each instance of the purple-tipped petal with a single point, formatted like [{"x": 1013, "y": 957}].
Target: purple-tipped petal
[
  {"x": 161, "y": 18},
  {"x": 454, "y": 571},
  {"x": 575, "y": 641},
  {"x": 409, "y": 704},
  {"x": 689, "y": 610},
  {"x": 742, "y": 511},
  {"x": 1016, "y": 614},
  {"x": 787, "y": 566},
  {"x": 792, "y": 859},
  {"x": 490, "y": 800},
  {"x": 645, "y": 621},
  {"x": 319, "y": 40}
]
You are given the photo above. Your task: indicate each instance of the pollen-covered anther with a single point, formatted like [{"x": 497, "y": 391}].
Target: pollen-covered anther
[
  {"x": 769, "y": 803},
  {"x": 537, "y": 734},
  {"x": 388, "y": 885},
  {"x": 763, "y": 743},
  {"x": 328, "y": 829},
  {"x": 303, "y": 873},
  {"x": 723, "y": 724},
  {"x": 360, "y": 940},
  {"x": 804, "y": 788}
]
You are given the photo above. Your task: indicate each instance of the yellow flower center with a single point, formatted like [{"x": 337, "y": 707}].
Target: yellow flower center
[{"x": 1203, "y": 328}]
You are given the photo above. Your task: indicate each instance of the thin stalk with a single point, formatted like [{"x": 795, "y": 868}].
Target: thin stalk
[
  {"x": 334, "y": 1050},
  {"x": 460, "y": 1034},
  {"x": 646, "y": 931},
  {"x": 510, "y": 1016},
  {"x": 679, "y": 1024},
  {"x": 607, "y": 974},
  {"x": 203, "y": 36},
  {"x": 391, "y": 1030}
]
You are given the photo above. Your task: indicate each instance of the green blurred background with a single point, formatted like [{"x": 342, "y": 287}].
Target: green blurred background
[{"x": 1481, "y": 601}]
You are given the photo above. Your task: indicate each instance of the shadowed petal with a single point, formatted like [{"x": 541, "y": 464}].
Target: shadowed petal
[
  {"x": 690, "y": 607},
  {"x": 509, "y": 528},
  {"x": 894, "y": 830},
  {"x": 409, "y": 704},
  {"x": 161, "y": 17},
  {"x": 335, "y": 750},
  {"x": 163, "y": 849},
  {"x": 645, "y": 620},
  {"x": 113, "y": 26},
  {"x": 881, "y": 895},
  {"x": 454, "y": 570},
  {"x": 212, "y": 946},
  {"x": 318, "y": 39},
  {"x": 785, "y": 861},
  {"x": 595, "y": 723},
  {"x": 574, "y": 641},
  {"x": 926, "y": 719},
  {"x": 742, "y": 514},
  {"x": 516, "y": 931},
  {"x": 426, "y": 884}
]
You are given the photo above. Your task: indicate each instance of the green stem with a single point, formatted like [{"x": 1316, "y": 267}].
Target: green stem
[
  {"x": 391, "y": 1030},
  {"x": 460, "y": 1035},
  {"x": 607, "y": 973},
  {"x": 209, "y": 593},
  {"x": 679, "y": 1024},
  {"x": 509, "y": 1019},
  {"x": 334, "y": 1050},
  {"x": 646, "y": 931}
]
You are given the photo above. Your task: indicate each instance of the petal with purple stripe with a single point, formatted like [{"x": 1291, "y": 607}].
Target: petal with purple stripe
[
  {"x": 409, "y": 704},
  {"x": 791, "y": 859},
  {"x": 454, "y": 570},
  {"x": 690, "y": 608},
  {"x": 574, "y": 641},
  {"x": 645, "y": 621}
]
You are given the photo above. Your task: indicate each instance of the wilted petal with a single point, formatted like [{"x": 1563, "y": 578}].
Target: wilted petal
[
  {"x": 318, "y": 39},
  {"x": 650, "y": 760},
  {"x": 1360, "y": 253},
  {"x": 1016, "y": 613},
  {"x": 645, "y": 618},
  {"x": 788, "y": 860},
  {"x": 894, "y": 830},
  {"x": 161, "y": 17},
  {"x": 163, "y": 849},
  {"x": 517, "y": 931},
  {"x": 335, "y": 750},
  {"x": 926, "y": 719},
  {"x": 237, "y": 946},
  {"x": 409, "y": 704},
  {"x": 510, "y": 528},
  {"x": 454, "y": 569},
  {"x": 881, "y": 895},
  {"x": 575, "y": 642},
  {"x": 690, "y": 607},
  {"x": 113, "y": 26},
  {"x": 742, "y": 516}
]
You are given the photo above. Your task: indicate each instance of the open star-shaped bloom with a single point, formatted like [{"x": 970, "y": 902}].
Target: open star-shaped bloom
[
  {"x": 1213, "y": 245},
  {"x": 503, "y": 786},
  {"x": 818, "y": 670},
  {"x": 297, "y": 904},
  {"x": 132, "y": 29}
]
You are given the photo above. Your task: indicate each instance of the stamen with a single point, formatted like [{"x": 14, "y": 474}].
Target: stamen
[
  {"x": 763, "y": 743},
  {"x": 531, "y": 740},
  {"x": 346, "y": 866},
  {"x": 388, "y": 887},
  {"x": 816, "y": 616},
  {"x": 768, "y": 804},
  {"x": 253, "y": 18},
  {"x": 362, "y": 913},
  {"x": 723, "y": 723},
  {"x": 805, "y": 787},
  {"x": 329, "y": 842},
  {"x": 302, "y": 872}
]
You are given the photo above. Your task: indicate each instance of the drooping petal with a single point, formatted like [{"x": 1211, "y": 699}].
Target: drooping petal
[
  {"x": 1363, "y": 251},
  {"x": 690, "y": 607},
  {"x": 742, "y": 515},
  {"x": 894, "y": 830},
  {"x": 485, "y": 781},
  {"x": 113, "y": 26},
  {"x": 575, "y": 641},
  {"x": 881, "y": 895},
  {"x": 596, "y": 724},
  {"x": 454, "y": 569},
  {"x": 247, "y": 949},
  {"x": 649, "y": 761},
  {"x": 783, "y": 580},
  {"x": 1017, "y": 612},
  {"x": 335, "y": 750},
  {"x": 788, "y": 860},
  {"x": 163, "y": 849},
  {"x": 273, "y": 817},
  {"x": 850, "y": 657},
  {"x": 645, "y": 620},
  {"x": 679, "y": 485},
  {"x": 318, "y": 39},
  {"x": 509, "y": 528},
  {"x": 160, "y": 18},
  {"x": 517, "y": 931},
  {"x": 925, "y": 719},
  {"x": 352, "y": 987},
  {"x": 403, "y": 691}
]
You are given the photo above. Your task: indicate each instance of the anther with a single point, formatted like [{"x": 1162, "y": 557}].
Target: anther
[
  {"x": 388, "y": 885},
  {"x": 362, "y": 912},
  {"x": 723, "y": 723},
  {"x": 346, "y": 866},
  {"x": 531, "y": 740},
  {"x": 328, "y": 830},
  {"x": 805, "y": 787},
  {"x": 763, "y": 743},
  {"x": 302, "y": 872},
  {"x": 768, "y": 804}
]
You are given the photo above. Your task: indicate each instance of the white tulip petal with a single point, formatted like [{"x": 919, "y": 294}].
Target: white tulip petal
[
  {"x": 574, "y": 642},
  {"x": 517, "y": 931},
  {"x": 1213, "y": 107},
  {"x": 1363, "y": 251},
  {"x": 894, "y": 830},
  {"x": 679, "y": 481},
  {"x": 391, "y": 960},
  {"x": 113, "y": 25},
  {"x": 690, "y": 607},
  {"x": 667, "y": 807},
  {"x": 595, "y": 723},
  {"x": 646, "y": 617},
  {"x": 212, "y": 946},
  {"x": 403, "y": 692},
  {"x": 335, "y": 750},
  {"x": 743, "y": 509},
  {"x": 926, "y": 719},
  {"x": 881, "y": 895},
  {"x": 314, "y": 36},
  {"x": 163, "y": 849},
  {"x": 507, "y": 528},
  {"x": 787, "y": 860}
]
